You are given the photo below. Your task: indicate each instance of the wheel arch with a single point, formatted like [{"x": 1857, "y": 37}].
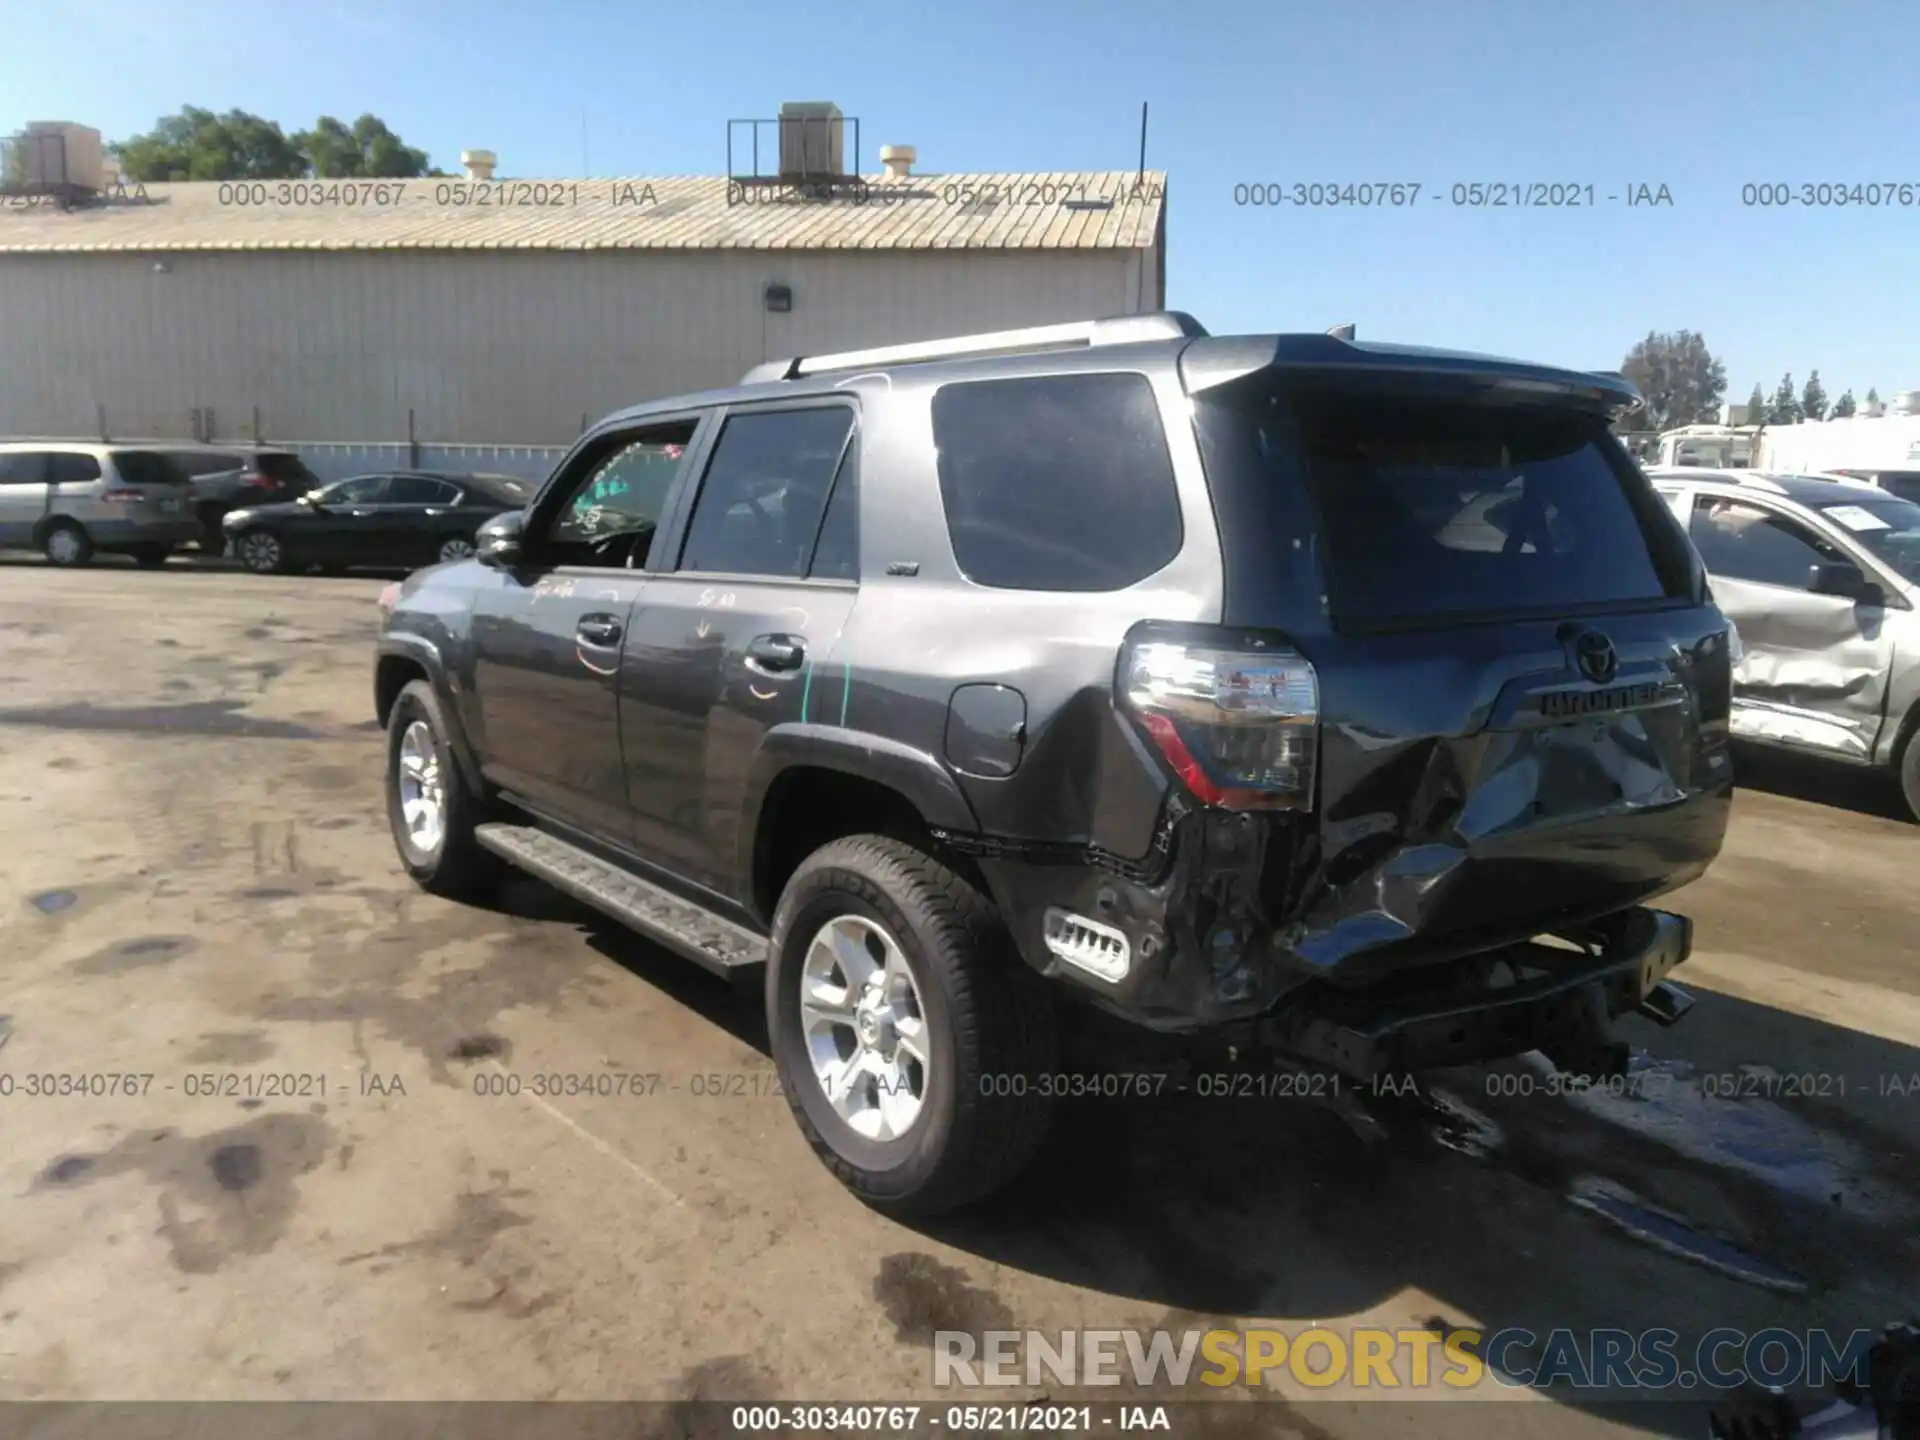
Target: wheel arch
[
  {"x": 812, "y": 784},
  {"x": 402, "y": 659}
]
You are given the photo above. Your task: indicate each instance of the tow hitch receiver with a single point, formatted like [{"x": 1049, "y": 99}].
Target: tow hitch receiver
[{"x": 1530, "y": 996}]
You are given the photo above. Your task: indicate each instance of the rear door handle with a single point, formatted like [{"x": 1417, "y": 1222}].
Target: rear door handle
[
  {"x": 600, "y": 630},
  {"x": 776, "y": 652}
]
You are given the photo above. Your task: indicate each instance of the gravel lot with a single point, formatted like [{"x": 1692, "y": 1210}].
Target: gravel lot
[{"x": 196, "y": 885}]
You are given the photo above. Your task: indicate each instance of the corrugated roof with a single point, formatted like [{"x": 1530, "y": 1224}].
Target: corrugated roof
[{"x": 1059, "y": 211}]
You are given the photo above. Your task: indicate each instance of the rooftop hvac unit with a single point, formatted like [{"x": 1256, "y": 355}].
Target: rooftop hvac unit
[
  {"x": 1905, "y": 403},
  {"x": 52, "y": 157},
  {"x": 812, "y": 140}
]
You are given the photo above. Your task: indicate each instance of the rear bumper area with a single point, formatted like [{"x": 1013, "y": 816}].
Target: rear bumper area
[{"x": 1526, "y": 997}]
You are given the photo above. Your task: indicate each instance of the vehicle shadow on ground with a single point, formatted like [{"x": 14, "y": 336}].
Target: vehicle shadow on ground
[
  {"x": 1790, "y": 1189},
  {"x": 1819, "y": 782}
]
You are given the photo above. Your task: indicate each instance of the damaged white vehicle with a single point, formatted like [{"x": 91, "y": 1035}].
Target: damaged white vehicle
[{"x": 1821, "y": 577}]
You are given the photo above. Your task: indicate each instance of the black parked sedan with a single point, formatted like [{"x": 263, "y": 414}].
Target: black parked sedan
[{"x": 390, "y": 521}]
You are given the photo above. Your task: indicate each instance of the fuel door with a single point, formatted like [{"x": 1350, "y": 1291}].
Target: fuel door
[{"x": 986, "y": 730}]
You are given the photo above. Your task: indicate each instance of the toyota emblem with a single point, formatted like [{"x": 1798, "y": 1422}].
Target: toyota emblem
[{"x": 1596, "y": 657}]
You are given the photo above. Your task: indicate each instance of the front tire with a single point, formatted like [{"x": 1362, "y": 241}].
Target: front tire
[
  {"x": 918, "y": 1081},
  {"x": 261, "y": 552},
  {"x": 430, "y": 808},
  {"x": 67, "y": 545},
  {"x": 1910, "y": 773}
]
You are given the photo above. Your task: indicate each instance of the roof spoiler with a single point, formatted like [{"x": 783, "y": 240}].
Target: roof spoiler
[{"x": 1077, "y": 335}]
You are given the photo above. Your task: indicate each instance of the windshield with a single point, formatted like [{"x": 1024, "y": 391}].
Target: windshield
[{"x": 1889, "y": 527}]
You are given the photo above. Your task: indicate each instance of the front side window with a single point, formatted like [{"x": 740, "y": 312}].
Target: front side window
[
  {"x": 1057, "y": 482},
  {"x": 611, "y": 511},
  {"x": 1889, "y": 527},
  {"x": 360, "y": 490},
  {"x": 765, "y": 492},
  {"x": 23, "y": 467},
  {"x": 1745, "y": 542}
]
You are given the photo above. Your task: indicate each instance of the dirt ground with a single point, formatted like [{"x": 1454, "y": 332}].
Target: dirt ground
[{"x": 315, "y": 1196}]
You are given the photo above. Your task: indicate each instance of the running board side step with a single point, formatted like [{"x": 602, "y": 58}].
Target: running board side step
[{"x": 686, "y": 928}]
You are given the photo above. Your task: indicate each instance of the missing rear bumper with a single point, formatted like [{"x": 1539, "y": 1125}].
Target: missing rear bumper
[{"x": 1560, "y": 1001}]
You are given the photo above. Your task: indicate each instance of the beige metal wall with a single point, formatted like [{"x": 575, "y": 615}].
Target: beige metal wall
[{"x": 509, "y": 347}]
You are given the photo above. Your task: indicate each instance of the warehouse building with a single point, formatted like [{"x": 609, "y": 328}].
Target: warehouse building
[{"x": 487, "y": 310}]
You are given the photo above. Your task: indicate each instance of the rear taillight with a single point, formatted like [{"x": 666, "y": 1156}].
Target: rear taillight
[
  {"x": 123, "y": 497},
  {"x": 256, "y": 482},
  {"x": 1236, "y": 716}
]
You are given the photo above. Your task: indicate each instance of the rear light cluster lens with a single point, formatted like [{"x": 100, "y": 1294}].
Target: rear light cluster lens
[
  {"x": 1239, "y": 726},
  {"x": 256, "y": 482}
]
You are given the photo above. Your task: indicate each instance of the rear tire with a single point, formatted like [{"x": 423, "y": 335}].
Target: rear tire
[
  {"x": 65, "y": 544},
  {"x": 261, "y": 551},
  {"x": 442, "y": 857},
  {"x": 981, "y": 1020}
]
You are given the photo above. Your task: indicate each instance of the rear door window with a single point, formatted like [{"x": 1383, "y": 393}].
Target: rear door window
[
  {"x": 1059, "y": 482},
  {"x": 765, "y": 492},
  {"x": 1439, "y": 509},
  {"x": 421, "y": 490}
]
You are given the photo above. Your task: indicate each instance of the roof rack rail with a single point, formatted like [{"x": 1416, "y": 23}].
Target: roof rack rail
[{"x": 1077, "y": 335}]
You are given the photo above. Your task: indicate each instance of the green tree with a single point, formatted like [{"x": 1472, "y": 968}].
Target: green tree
[
  {"x": 1756, "y": 405},
  {"x": 1813, "y": 397},
  {"x": 365, "y": 150},
  {"x": 1843, "y": 408},
  {"x": 1873, "y": 399},
  {"x": 197, "y": 144},
  {"x": 1678, "y": 377},
  {"x": 1785, "y": 409}
]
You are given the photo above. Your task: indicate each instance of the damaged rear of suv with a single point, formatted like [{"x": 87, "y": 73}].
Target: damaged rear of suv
[{"x": 1349, "y": 699}]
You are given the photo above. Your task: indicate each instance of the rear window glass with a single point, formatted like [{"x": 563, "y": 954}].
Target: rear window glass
[
  {"x": 287, "y": 469},
  {"x": 1059, "y": 482},
  {"x": 1433, "y": 508},
  {"x": 145, "y": 467}
]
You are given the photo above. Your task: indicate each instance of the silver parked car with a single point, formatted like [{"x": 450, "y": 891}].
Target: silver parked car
[
  {"x": 70, "y": 500},
  {"x": 1821, "y": 577}
]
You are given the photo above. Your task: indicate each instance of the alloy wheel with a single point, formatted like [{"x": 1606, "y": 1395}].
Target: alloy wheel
[
  {"x": 865, "y": 1027},
  {"x": 260, "y": 552},
  {"x": 456, "y": 550},
  {"x": 423, "y": 800}
]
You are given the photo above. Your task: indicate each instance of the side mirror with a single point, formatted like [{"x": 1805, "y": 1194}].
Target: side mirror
[
  {"x": 501, "y": 542},
  {"x": 1840, "y": 578}
]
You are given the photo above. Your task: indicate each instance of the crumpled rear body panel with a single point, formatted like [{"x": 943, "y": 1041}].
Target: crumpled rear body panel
[{"x": 1453, "y": 837}]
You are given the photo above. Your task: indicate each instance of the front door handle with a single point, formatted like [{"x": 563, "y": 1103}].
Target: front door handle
[
  {"x": 776, "y": 652},
  {"x": 602, "y": 630}
]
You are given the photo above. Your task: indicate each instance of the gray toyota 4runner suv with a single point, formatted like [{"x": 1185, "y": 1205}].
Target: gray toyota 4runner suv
[{"x": 1348, "y": 699}]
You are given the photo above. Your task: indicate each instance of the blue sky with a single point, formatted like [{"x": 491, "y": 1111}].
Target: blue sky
[{"x": 1699, "y": 97}]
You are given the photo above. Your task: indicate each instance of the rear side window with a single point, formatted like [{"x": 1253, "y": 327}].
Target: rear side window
[
  {"x": 145, "y": 467},
  {"x": 1435, "y": 509},
  {"x": 65, "y": 467},
  {"x": 1059, "y": 482},
  {"x": 420, "y": 490},
  {"x": 197, "y": 465}
]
